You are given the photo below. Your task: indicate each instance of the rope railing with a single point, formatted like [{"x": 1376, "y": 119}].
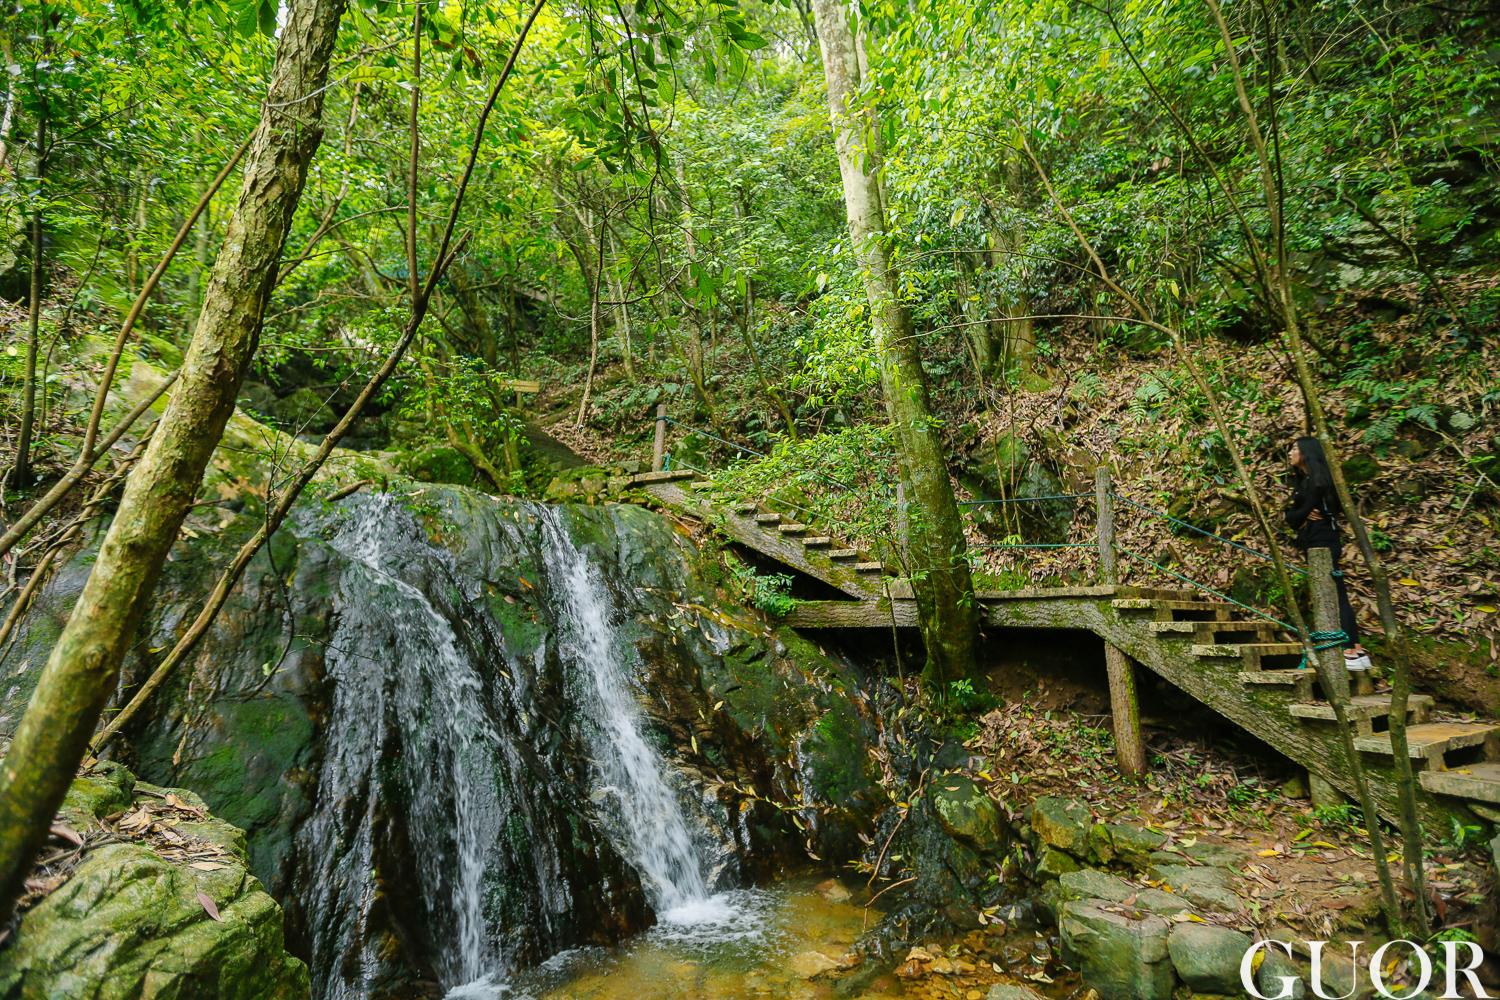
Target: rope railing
[
  {"x": 1201, "y": 531},
  {"x": 1205, "y": 588}
]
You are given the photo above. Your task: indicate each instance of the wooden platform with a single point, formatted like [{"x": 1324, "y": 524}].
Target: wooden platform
[{"x": 1243, "y": 668}]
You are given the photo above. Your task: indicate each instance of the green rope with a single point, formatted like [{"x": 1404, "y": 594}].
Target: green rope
[
  {"x": 1322, "y": 641},
  {"x": 1041, "y": 545},
  {"x": 1195, "y": 583}
]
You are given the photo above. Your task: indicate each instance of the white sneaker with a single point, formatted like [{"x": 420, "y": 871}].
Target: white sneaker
[{"x": 1360, "y": 662}]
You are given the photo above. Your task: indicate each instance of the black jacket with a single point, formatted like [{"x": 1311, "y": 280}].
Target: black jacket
[{"x": 1322, "y": 534}]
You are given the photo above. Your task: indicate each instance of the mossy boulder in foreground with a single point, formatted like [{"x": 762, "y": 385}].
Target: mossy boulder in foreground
[{"x": 130, "y": 923}]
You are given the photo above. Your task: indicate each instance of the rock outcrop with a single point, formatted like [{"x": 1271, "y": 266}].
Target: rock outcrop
[{"x": 128, "y": 923}]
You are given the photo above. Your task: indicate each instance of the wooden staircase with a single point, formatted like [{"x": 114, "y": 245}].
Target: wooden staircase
[{"x": 1241, "y": 668}]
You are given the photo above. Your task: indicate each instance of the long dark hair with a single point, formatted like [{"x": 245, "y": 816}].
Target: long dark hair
[{"x": 1318, "y": 479}]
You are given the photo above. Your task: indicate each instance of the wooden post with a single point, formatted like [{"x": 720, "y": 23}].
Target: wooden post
[
  {"x": 661, "y": 436},
  {"x": 1108, "y": 572},
  {"x": 1325, "y": 603},
  {"x": 1130, "y": 749}
]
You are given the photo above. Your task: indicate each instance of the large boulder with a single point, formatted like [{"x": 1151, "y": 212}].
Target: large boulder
[
  {"x": 969, "y": 815},
  {"x": 1121, "y": 957},
  {"x": 131, "y": 924},
  {"x": 1207, "y": 957}
]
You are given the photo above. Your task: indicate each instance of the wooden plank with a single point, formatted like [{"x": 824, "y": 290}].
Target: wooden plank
[
  {"x": 1432, "y": 739},
  {"x": 851, "y": 614},
  {"x": 789, "y": 551},
  {"x": 519, "y": 385},
  {"x": 673, "y": 476},
  {"x": 1479, "y": 782},
  {"x": 1045, "y": 594}
]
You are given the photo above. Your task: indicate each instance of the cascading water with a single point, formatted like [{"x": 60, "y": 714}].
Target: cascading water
[
  {"x": 644, "y": 811},
  {"x": 447, "y": 826},
  {"x": 404, "y": 687}
]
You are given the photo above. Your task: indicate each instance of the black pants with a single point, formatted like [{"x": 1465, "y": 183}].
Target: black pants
[{"x": 1347, "y": 621}]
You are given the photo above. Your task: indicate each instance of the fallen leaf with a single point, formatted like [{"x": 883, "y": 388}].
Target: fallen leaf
[
  {"x": 66, "y": 833},
  {"x": 210, "y": 907},
  {"x": 1408, "y": 582}
]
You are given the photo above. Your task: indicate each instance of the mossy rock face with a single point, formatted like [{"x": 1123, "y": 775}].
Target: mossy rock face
[
  {"x": 130, "y": 925},
  {"x": 969, "y": 815},
  {"x": 1063, "y": 824},
  {"x": 439, "y": 464}
]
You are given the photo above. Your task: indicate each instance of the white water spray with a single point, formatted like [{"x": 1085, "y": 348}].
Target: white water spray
[{"x": 646, "y": 811}]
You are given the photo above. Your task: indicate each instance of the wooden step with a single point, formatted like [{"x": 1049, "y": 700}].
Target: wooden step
[
  {"x": 1363, "y": 706},
  {"x": 766, "y": 520},
  {"x": 1248, "y": 653},
  {"x": 1298, "y": 683},
  {"x": 843, "y": 553},
  {"x": 1480, "y": 782},
  {"x": 744, "y": 509},
  {"x": 1207, "y": 633},
  {"x": 817, "y": 541},
  {"x": 1169, "y": 609},
  {"x": 1431, "y": 740},
  {"x": 869, "y": 567},
  {"x": 675, "y": 476},
  {"x": 792, "y": 529}
]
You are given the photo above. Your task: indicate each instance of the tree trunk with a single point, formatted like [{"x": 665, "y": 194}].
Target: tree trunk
[
  {"x": 621, "y": 310},
  {"x": 81, "y": 672},
  {"x": 21, "y": 472},
  {"x": 1017, "y": 337},
  {"x": 940, "y": 569},
  {"x": 200, "y": 266}
]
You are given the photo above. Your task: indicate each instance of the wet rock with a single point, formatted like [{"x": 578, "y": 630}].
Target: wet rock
[
  {"x": 811, "y": 964},
  {"x": 833, "y": 890},
  {"x": 1123, "y": 959},
  {"x": 1062, "y": 823},
  {"x": 130, "y": 925},
  {"x": 1053, "y": 863},
  {"x": 1125, "y": 844},
  {"x": 1210, "y": 888},
  {"x": 1090, "y": 884},
  {"x": 969, "y": 815},
  {"x": 1208, "y": 957},
  {"x": 1277, "y": 977},
  {"x": 1215, "y": 855},
  {"x": 1003, "y": 992}
]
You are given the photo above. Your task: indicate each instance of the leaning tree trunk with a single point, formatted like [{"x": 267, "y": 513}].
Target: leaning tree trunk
[
  {"x": 939, "y": 566},
  {"x": 81, "y": 672}
]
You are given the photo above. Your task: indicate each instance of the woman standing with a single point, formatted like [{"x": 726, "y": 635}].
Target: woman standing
[{"x": 1315, "y": 511}]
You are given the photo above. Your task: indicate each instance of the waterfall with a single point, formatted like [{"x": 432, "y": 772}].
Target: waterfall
[
  {"x": 643, "y": 810},
  {"x": 403, "y": 688}
]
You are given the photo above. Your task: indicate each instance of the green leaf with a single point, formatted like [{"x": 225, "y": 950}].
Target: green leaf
[{"x": 267, "y": 18}]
